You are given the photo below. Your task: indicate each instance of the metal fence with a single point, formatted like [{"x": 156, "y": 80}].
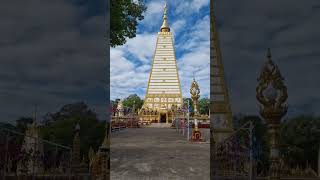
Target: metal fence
[{"x": 233, "y": 158}]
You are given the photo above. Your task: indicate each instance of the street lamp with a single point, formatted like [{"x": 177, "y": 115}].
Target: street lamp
[
  {"x": 188, "y": 120},
  {"x": 272, "y": 95}
]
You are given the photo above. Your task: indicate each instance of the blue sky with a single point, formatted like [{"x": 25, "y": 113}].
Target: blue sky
[{"x": 190, "y": 23}]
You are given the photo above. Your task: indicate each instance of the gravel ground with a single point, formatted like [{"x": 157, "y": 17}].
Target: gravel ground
[{"x": 157, "y": 154}]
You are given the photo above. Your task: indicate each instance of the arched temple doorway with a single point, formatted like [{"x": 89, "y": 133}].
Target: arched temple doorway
[{"x": 163, "y": 118}]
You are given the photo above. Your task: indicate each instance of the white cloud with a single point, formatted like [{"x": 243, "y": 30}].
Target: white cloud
[
  {"x": 198, "y": 4},
  {"x": 195, "y": 63},
  {"x": 125, "y": 76},
  {"x": 188, "y": 7},
  {"x": 142, "y": 47},
  {"x": 153, "y": 13},
  {"x": 118, "y": 63},
  {"x": 178, "y": 25},
  {"x": 198, "y": 36}
]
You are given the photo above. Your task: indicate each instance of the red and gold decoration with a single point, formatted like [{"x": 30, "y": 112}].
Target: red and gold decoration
[
  {"x": 196, "y": 134},
  {"x": 195, "y": 95}
]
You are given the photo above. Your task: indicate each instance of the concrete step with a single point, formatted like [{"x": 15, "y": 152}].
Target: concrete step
[{"x": 159, "y": 125}]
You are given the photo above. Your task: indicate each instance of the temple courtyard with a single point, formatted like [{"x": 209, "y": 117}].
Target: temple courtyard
[{"x": 158, "y": 154}]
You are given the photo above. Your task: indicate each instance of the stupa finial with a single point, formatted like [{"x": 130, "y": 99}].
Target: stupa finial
[{"x": 165, "y": 26}]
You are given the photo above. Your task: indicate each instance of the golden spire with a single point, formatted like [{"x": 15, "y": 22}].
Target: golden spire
[{"x": 165, "y": 26}]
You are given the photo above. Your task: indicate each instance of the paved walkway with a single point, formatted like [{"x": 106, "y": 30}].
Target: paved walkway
[{"x": 157, "y": 154}]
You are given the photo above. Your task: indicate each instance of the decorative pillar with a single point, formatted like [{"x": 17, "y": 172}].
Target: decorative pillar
[
  {"x": 272, "y": 95},
  {"x": 195, "y": 95},
  {"x": 75, "y": 162}
]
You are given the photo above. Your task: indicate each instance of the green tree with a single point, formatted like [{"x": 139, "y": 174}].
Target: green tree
[
  {"x": 124, "y": 20},
  {"x": 62, "y": 125},
  {"x": 133, "y": 100},
  {"x": 204, "y": 106},
  {"x": 300, "y": 138}
]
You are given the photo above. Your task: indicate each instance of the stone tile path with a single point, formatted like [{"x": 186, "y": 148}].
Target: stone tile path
[{"x": 157, "y": 154}]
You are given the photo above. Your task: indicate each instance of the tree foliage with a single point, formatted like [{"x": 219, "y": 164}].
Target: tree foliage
[
  {"x": 300, "y": 138},
  {"x": 59, "y": 127},
  {"x": 185, "y": 103},
  {"x": 204, "y": 106},
  {"x": 133, "y": 101},
  {"x": 124, "y": 20}
]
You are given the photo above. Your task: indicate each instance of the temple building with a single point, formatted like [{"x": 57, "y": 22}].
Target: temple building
[{"x": 164, "y": 92}]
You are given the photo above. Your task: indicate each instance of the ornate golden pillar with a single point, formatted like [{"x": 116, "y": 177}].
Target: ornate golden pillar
[
  {"x": 272, "y": 95},
  {"x": 195, "y": 95}
]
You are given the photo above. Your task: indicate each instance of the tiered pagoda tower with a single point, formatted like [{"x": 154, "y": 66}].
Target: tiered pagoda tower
[
  {"x": 221, "y": 116},
  {"x": 75, "y": 162},
  {"x": 163, "y": 92},
  {"x": 32, "y": 150},
  {"x": 99, "y": 162}
]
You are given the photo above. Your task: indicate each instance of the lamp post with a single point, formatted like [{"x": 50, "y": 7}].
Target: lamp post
[
  {"x": 195, "y": 95},
  {"x": 134, "y": 108},
  {"x": 188, "y": 120},
  {"x": 272, "y": 95}
]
